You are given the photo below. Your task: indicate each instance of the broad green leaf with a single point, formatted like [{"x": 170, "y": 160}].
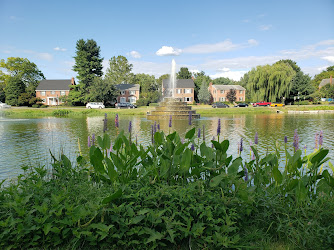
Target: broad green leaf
[
  {"x": 233, "y": 169},
  {"x": 113, "y": 197},
  {"x": 224, "y": 145},
  {"x": 190, "y": 134},
  {"x": 186, "y": 160},
  {"x": 106, "y": 141},
  {"x": 319, "y": 156},
  {"x": 214, "y": 182},
  {"x": 301, "y": 191},
  {"x": 277, "y": 175},
  {"x": 66, "y": 161},
  {"x": 217, "y": 145}
]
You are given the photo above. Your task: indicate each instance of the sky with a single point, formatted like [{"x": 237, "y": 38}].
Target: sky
[{"x": 221, "y": 38}]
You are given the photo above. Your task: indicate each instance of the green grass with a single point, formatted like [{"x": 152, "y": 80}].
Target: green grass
[{"x": 200, "y": 109}]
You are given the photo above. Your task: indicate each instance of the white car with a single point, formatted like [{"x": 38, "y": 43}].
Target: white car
[
  {"x": 4, "y": 105},
  {"x": 95, "y": 105}
]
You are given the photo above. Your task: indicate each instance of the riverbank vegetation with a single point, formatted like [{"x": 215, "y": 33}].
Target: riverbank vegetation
[{"x": 177, "y": 193}]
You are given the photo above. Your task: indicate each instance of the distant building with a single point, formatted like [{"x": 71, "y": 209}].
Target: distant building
[
  {"x": 50, "y": 91},
  {"x": 184, "y": 89},
  {"x": 325, "y": 82},
  {"x": 219, "y": 92},
  {"x": 128, "y": 93}
]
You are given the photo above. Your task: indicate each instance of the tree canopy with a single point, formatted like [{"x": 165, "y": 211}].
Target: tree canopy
[
  {"x": 184, "y": 73},
  {"x": 119, "y": 70},
  {"x": 149, "y": 89},
  {"x": 204, "y": 95},
  {"x": 223, "y": 81}
]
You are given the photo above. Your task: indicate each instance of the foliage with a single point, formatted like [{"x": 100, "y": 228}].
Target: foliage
[
  {"x": 14, "y": 88},
  {"x": 2, "y": 92},
  {"x": 184, "y": 73},
  {"x": 199, "y": 79},
  {"x": 231, "y": 95},
  {"x": 223, "y": 81},
  {"x": 61, "y": 112},
  {"x": 119, "y": 70},
  {"x": 323, "y": 75},
  {"x": 88, "y": 65},
  {"x": 204, "y": 95},
  {"x": 302, "y": 85},
  {"x": 270, "y": 83},
  {"x": 149, "y": 89},
  {"x": 102, "y": 90}
]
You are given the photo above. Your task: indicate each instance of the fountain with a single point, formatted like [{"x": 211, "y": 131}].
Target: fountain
[{"x": 172, "y": 105}]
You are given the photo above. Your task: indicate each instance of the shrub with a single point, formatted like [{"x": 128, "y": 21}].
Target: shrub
[
  {"x": 61, "y": 112},
  {"x": 153, "y": 104}
]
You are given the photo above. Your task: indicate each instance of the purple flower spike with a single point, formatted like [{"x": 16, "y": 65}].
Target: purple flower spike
[
  {"x": 296, "y": 140},
  {"x": 89, "y": 141},
  {"x": 116, "y": 121},
  {"x": 130, "y": 126},
  {"x": 256, "y": 138},
  {"x": 159, "y": 127},
  {"x": 192, "y": 147},
  {"x": 316, "y": 140},
  {"x": 93, "y": 139},
  {"x": 199, "y": 133},
  {"x": 170, "y": 121},
  {"x": 155, "y": 128},
  {"x": 246, "y": 173},
  {"x": 203, "y": 132},
  {"x": 213, "y": 138},
  {"x": 218, "y": 127},
  {"x": 321, "y": 139},
  {"x": 241, "y": 145},
  {"x": 190, "y": 118},
  {"x": 285, "y": 139},
  {"x": 152, "y": 134}
]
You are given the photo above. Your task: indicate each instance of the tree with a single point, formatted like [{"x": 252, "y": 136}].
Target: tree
[
  {"x": 302, "y": 85},
  {"x": 223, "y": 81},
  {"x": 119, "y": 70},
  {"x": 204, "y": 95},
  {"x": 88, "y": 65},
  {"x": 199, "y": 79},
  {"x": 102, "y": 90},
  {"x": 323, "y": 75},
  {"x": 293, "y": 64},
  {"x": 184, "y": 73},
  {"x": 14, "y": 88},
  {"x": 231, "y": 95},
  {"x": 149, "y": 89},
  {"x": 24, "y": 72},
  {"x": 270, "y": 83}
]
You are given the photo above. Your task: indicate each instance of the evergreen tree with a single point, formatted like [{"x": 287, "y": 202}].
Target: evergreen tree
[
  {"x": 88, "y": 65},
  {"x": 119, "y": 70},
  {"x": 14, "y": 88},
  {"x": 204, "y": 95}
]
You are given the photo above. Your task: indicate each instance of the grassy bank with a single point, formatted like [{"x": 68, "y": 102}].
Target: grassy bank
[
  {"x": 200, "y": 109},
  {"x": 170, "y": 196}
]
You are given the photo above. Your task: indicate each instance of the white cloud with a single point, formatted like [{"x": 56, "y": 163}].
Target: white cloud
[
  {"x": 134, "y": 54},
  {"x": 168, "y": 51},
  {"x": 329, "y": 58},
  {"x": 59, "y": 49},
  {"x": 265, "y": 27},
  {"x": 223, "y": 46},
  {"x": 39, "y": 55},
  {"x": 194, "y": 71},
  {"x": 234, "y": 75},
  {"x": 6, "y": 51}
]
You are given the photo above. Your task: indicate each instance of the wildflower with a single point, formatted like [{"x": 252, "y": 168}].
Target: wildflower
[
  {"x": 321, "y": 140},
  {"x": 105, "y": 123},
  {"x": 159, "y": 127},
  {"x": 246, "y": 173},
  {"x": 241, "y": 145},
  {"x": 296, "y": 140},
  {"x": 93, "y": 139},
  {"x": 89, "y": 141},
  {"x": 130, "y": 126},
  {"x": 203, "y": 132},
  {"x": 152, "y": 134},
  {"x": 199, "y": 133},
  {"x": 170, "y": 121},
  {"x": 285, "y": 139},
  {"x": 190, "y": 118},
  {"x": 218, "y": 128},
  {"x": 256, "y": 138},
  {"x": 316, "y": 140},
  {"x": 155, "y": 128},
  {"x": 116, "y": 121},
  {"x": 192, "y": 147},
  {"x": 213, "y": 138}
]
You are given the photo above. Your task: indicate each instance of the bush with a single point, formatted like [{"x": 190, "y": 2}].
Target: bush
[
  {"x": 61, "y": 112},
  {"x": 153, "y": 104}
]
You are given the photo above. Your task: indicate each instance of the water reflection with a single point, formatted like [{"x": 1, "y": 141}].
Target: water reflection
[{"x": 28, "y": 141}]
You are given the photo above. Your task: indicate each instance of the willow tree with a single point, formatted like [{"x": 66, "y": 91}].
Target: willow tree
[{"x": 270, "y": 82}]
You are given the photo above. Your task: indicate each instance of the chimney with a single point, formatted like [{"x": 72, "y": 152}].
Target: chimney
[{"x": 72, "y": 81}]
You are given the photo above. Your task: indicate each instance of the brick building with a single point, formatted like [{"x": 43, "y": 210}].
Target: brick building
[
  {"x": 128, "y": 92},
  {"x": 219, "y": 92},
  {"x": 184, "y": 89}
]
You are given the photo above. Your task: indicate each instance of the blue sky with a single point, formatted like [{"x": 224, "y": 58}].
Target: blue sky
[{"x": 222, "y": 38}]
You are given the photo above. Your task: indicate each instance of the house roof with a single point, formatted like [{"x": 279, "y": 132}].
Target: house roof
[
  {"x": 228, "y": 87},
  {"x": 180, "y": 83},
  {"x": 324, "y": 82},
  {"x": 54, "y": 85},
  {"x": 127, "y": 86}
]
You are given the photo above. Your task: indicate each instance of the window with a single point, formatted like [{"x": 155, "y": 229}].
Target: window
[
  {"x": 42, "y": 93},
  {"x": 122, "y": 99},
  {"x": 187, "y": 99},
  {"x": 132, "y": 99},
  {"x": 123, "y": 92},
  {"x": 240, "y": 91},
  {"x": 222, "y": 99},
  {"x": 187, "y": 91},
  {"x": 62, "y": 92},
  {"x": 53, "y": 92},
  {"x": 222, "y": 91},
  {"x": 240, "y": 99},
  {"x": 132, "y": 92},
  {"x": 178, "y": 91}
]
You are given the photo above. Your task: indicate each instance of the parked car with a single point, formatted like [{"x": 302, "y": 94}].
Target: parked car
[
  {"x": 95, "y": 105},
  {"x": 220, "y": 105},
  {"x": 125, "y": 105},
  {"x": 4, "y": 105},
  {"x": 243, "y": 105},
  {"x": 277, "y": 104},
  {"x": 259, "y": 104}
]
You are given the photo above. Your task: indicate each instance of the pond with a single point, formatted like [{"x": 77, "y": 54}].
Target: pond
[{"x": 27, "y": 142}]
